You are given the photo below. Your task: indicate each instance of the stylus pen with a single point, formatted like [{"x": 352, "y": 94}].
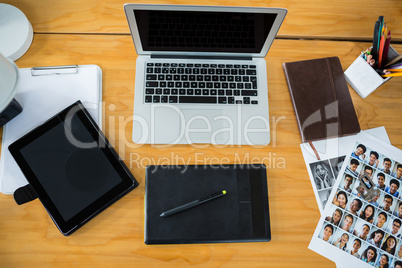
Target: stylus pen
[{"x": 193, "y": 203}]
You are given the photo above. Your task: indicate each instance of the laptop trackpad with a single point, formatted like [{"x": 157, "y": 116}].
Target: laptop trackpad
[
  {"x": 204, "y": 126},
  {"x": 173, "y": 125}
]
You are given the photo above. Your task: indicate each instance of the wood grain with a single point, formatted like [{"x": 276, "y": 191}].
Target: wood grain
[
  {"x": 115, "y": 237},
  {"x": 341, "y": 19}
]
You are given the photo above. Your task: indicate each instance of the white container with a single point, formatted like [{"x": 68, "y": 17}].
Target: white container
[
  {"x": 8, "y": 81},
  {"x": 16, "y": 32},
  {"x": 363, "y": 78}
]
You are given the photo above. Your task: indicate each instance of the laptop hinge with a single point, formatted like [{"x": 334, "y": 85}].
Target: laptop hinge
[{"x": 200, "y": 57}]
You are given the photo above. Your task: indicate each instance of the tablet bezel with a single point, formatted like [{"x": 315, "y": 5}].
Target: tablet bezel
[{"x": 127, "y": 184}]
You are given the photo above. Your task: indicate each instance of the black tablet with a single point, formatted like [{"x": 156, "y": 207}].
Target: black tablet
[{"x": 72, "y": 167}]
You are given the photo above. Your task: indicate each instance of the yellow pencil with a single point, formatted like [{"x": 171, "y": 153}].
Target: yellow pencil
[{"x": 392, "y": 75}]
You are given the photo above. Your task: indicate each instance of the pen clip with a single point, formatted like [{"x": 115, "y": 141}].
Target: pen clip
[{"x": 54, "y": 70}]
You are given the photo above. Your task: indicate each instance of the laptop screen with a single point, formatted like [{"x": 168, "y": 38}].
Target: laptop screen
[{"x": 203, "y": 31}]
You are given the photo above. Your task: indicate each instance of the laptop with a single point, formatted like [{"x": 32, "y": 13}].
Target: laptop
[{"x": 201, "y": 76}]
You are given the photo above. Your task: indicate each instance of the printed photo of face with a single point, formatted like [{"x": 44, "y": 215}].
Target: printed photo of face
[
  {"x": 391, "y": 243},
  {"x": 365, "y": 231},
  {"x": 399, "y": 173},
  {"x": 328, "y": 230},
  {"x": 342, "y": 241},
  {"x": 368, "y": 213},
  {"x": 337, "y": 216},
  {"x": 383, "y": 260},
  {"x": 381, "y": 181},
  {"x": 359, "y": 151},
  {"x": 348, "y": 181},
  {"x": 381, "y": 220},
  {"x": 393, "y": 188},
  {"x": 347, "y": 222},
  {"x": 369, "y": 172},
  {"x": 342, "y": 200},
  {"x": 387, "y": 202},
  {"x": 356, "y": 245},
  {"x": 322, "y": 175},
  {"x": 344, "y": 238},
  {"x": 378, "y": 237},
  {"x": 387, "y": 166},
  {"x": 353, "y": 167},
  {"x": 373, "y": 159},
  {"x": 321, "y": 171},
  {"x": 370, "y": 255},
  {"x": 396, "y": 226},
  {"x": 355, "y": 206}
]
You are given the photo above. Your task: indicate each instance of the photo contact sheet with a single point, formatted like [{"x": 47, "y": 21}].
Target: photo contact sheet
[{"x": 363, "y": 216}]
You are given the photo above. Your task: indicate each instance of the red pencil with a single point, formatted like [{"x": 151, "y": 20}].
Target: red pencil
[
  {"x": 381, "y": 50},
  {"x": 386, "y": 47}
]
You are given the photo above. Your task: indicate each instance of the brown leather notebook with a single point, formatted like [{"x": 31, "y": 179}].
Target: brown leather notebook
[{"x": 321, "y": 99}]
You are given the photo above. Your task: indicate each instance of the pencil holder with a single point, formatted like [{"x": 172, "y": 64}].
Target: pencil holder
[{"x": 363, "y": 78}]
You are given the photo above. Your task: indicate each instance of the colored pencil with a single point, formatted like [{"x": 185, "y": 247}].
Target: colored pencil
[{"x": 386, "y": 48}]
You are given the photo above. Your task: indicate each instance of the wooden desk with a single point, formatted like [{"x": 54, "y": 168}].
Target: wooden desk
[
  {"x": 318, "y": 19},
  {"x": 115, "y": 237}
]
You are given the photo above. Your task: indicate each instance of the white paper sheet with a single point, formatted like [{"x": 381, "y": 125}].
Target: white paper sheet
[
  {"x": 41, "y": 97},
  {"x": 382, "y": 232}
]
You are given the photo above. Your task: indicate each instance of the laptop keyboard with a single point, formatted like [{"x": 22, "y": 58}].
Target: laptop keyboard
[{"x": 201, "y": 83}]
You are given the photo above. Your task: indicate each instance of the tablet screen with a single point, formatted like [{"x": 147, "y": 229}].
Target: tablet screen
[
  {"x": 73, "y": 177},
  {"x": 72, "y": 167}
]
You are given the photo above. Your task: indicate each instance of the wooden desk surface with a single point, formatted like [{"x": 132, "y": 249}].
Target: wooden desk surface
[
  {"x": 115, "y": 237},
  {"x": 322, "y": 19}
]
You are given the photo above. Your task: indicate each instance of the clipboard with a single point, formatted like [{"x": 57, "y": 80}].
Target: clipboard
[{"x": 42, "y": 93}]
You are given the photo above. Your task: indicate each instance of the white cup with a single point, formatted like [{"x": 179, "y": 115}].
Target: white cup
[
  {"x": 9, "y": 107},
  {"x": 8, "y": 81}
]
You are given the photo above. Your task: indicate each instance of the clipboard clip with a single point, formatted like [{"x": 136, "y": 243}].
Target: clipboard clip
[{"x": 54, "y": 70}]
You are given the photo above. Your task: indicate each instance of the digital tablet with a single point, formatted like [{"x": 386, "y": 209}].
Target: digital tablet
[
  {"x": 241, "y": 215},
  {"x": 73, "y": 169}
]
